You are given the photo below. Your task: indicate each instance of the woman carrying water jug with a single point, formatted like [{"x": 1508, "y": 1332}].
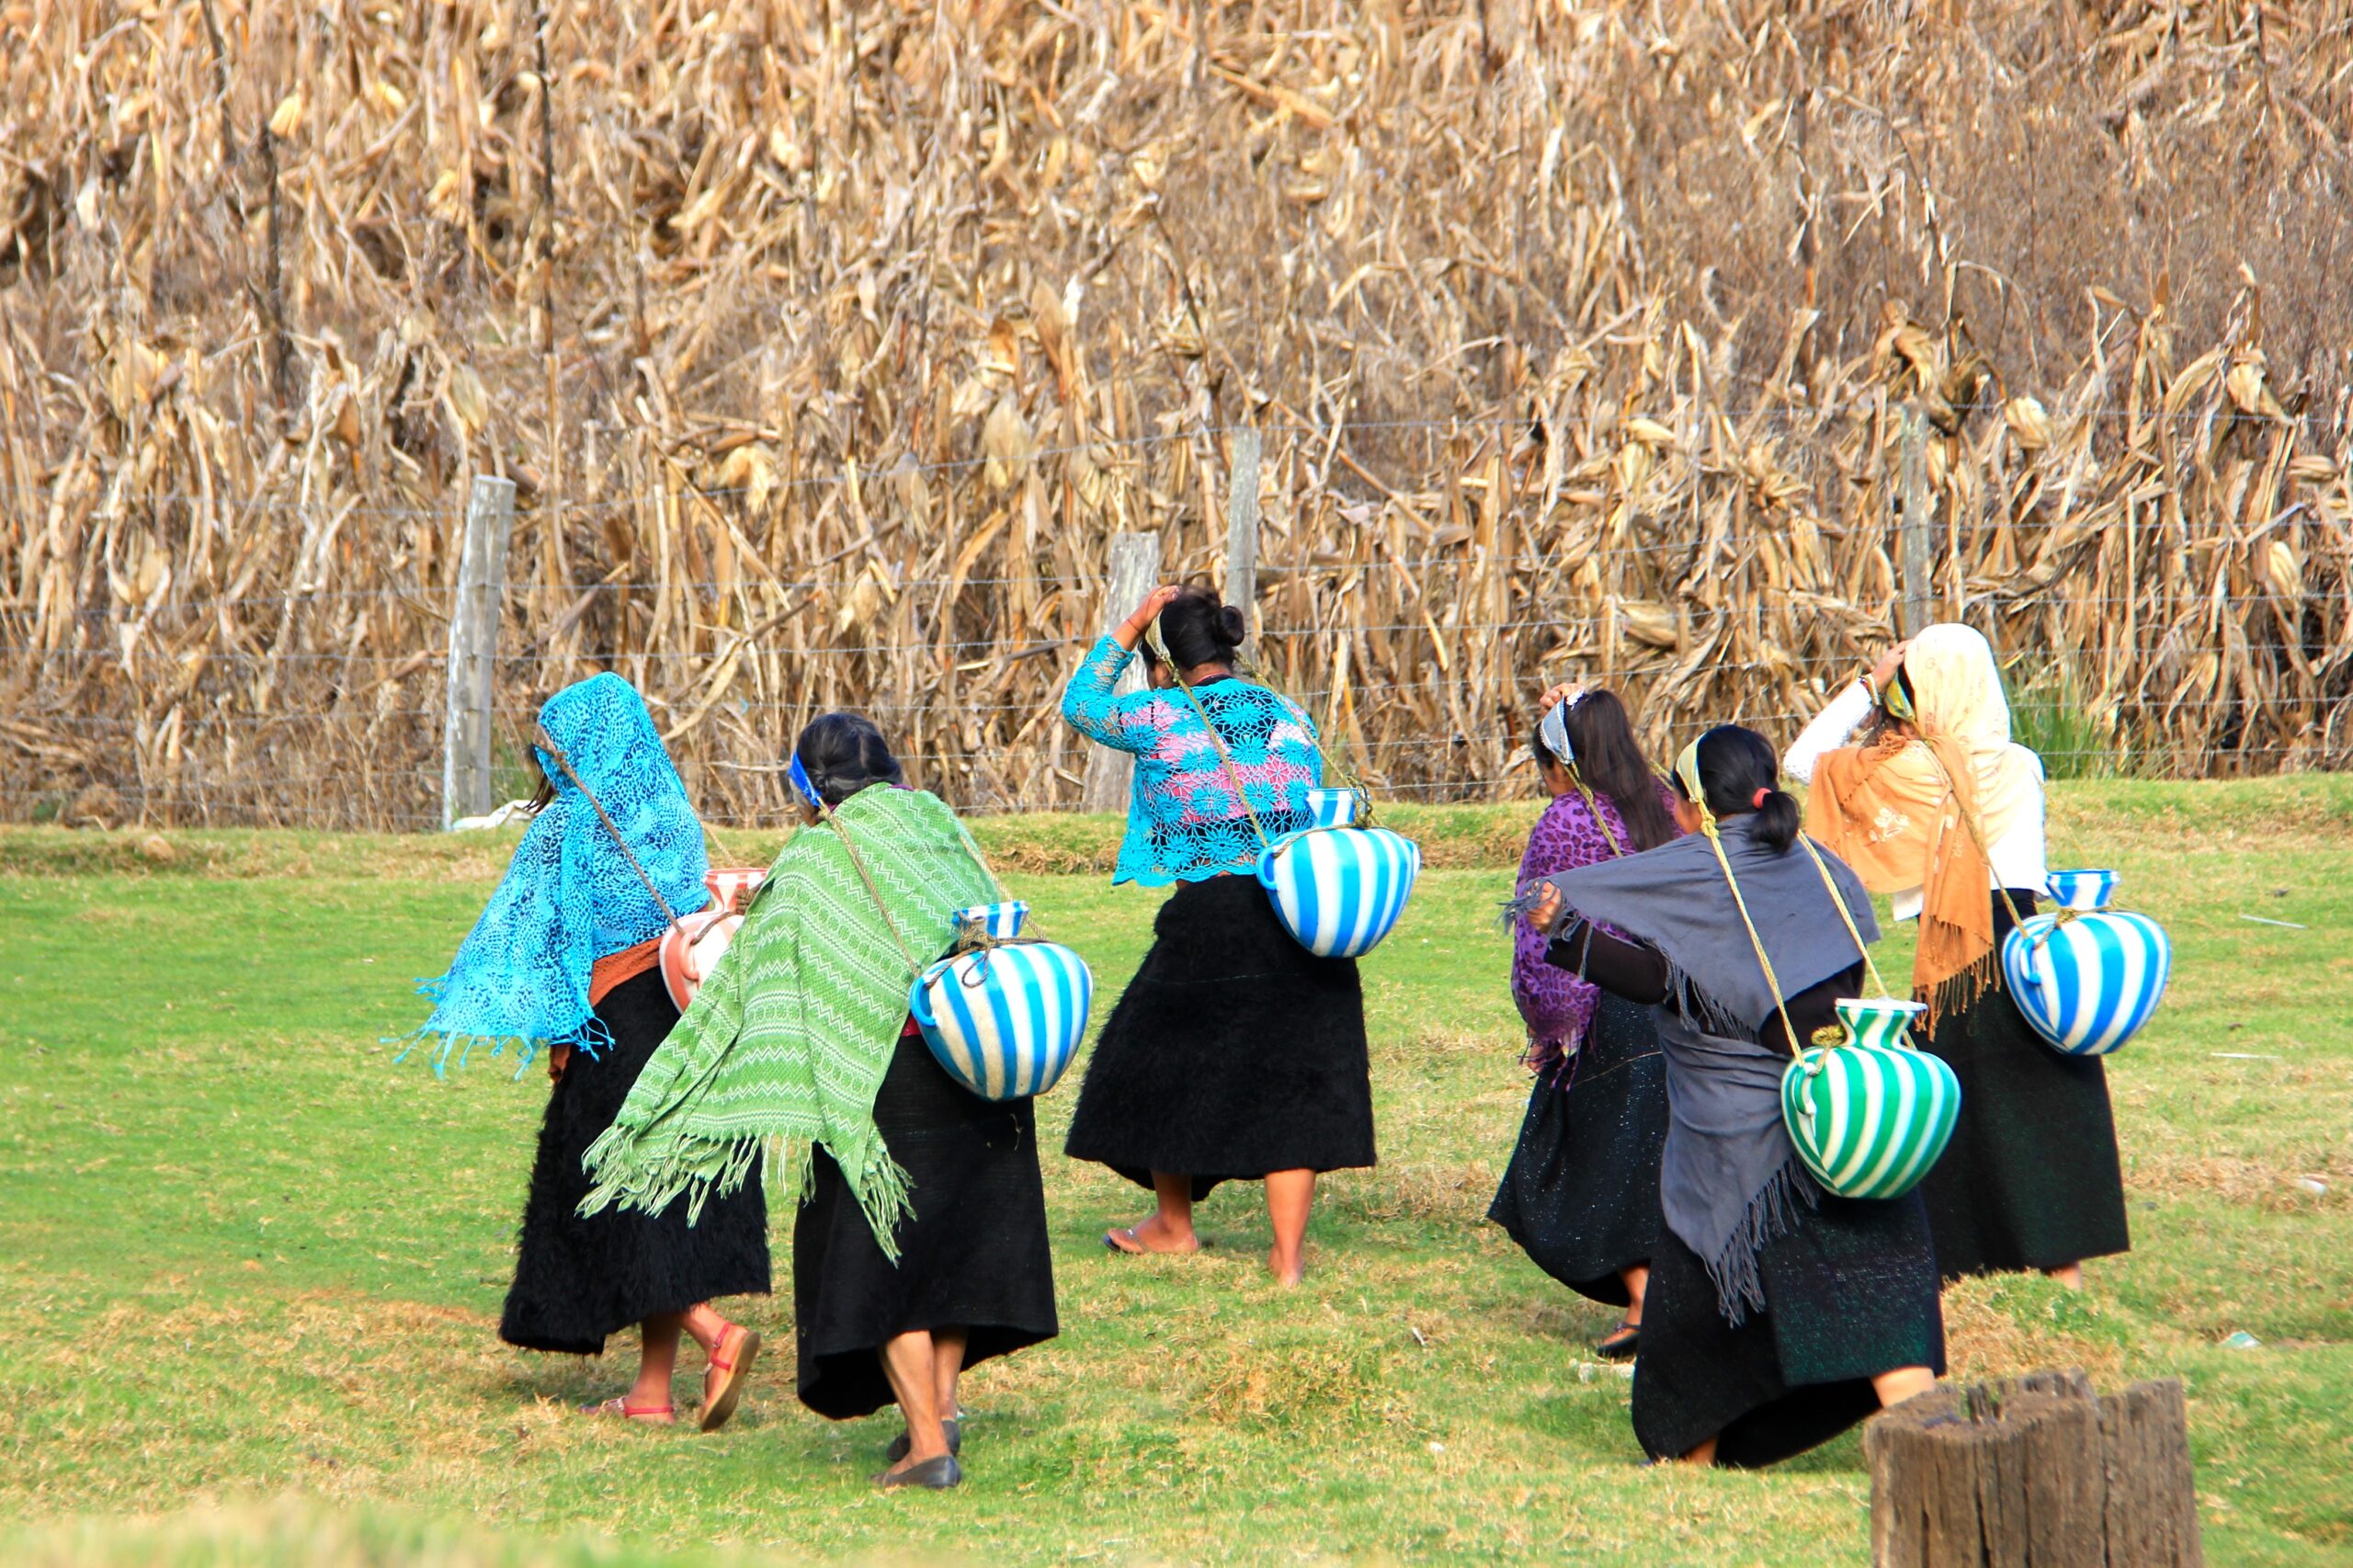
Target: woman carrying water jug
[
  {"x": 1938, "y": 809},
  {"x": 564, "y": 956},
  {"x": 1235, "y": 1054},
  {"x": 920, "y": 1247},
  {"x": 1581, "y": 1193},
  {"x": 1778, "y": 1314}
]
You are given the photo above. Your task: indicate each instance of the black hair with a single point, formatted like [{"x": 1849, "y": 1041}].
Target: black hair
[
  {"x": 1610, "y": 762},
  {"x": 843, "y": 752},
  {"x": 1201, "y": 628},
  {"x": 1734, "y": 763}
]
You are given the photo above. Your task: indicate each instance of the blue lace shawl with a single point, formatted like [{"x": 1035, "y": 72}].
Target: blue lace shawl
[
  {"x": 1184, "y": 824},
  {"x": 569, "y": 897}
]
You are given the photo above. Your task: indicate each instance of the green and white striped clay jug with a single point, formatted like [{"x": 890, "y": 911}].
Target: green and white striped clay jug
[{"x": 1870, "y": 1115}]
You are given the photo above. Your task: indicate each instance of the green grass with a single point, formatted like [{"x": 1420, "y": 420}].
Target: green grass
[{"x": 250, "y": 1267}]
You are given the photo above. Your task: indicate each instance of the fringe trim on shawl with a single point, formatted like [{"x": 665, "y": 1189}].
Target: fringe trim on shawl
[
  {"x": 1772, "y": 1209},
  {"x": 591, "y": 1035},
  {"x": 698, "y": 1169},
  {"x": 1694, "y": 1007},
  {"x": 1771, "y": 1213},
  {"x": 1959, "y": 991}
]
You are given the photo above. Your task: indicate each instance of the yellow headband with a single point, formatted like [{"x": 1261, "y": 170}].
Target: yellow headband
[
  {"x": 1687, "y": 769},
  {"x": 1895, "y": 700}
]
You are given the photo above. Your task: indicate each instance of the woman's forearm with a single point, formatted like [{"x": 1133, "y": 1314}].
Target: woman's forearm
[
  {"x": 1091, "y": 705},
  {"x": 1624, "y": 969},
  {"x": 1830, "y": 728}
]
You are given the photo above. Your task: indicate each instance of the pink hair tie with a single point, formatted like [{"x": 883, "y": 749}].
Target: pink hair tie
[{"x": 1758, "y": 802}]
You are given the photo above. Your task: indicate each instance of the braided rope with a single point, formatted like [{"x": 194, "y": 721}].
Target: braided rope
[
  {"x": 1687, "y": 768},
  {"x": 546, "y": 742},
  {"x": 1861, "y": 946},
  {"x": 1160, "y": 652}
]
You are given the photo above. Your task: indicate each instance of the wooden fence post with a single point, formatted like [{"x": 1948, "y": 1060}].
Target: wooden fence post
[
  {"x": 2034, "y": 1473},
  {"x": 473, "y": 648},
  {"x": 1242, "y": 528},
  {"x": 1914, "y": 550},
  {"x": 1133, "y": 569}
]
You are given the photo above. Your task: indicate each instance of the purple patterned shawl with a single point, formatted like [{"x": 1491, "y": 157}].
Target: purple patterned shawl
[{"x": 1557, "y": 1006}]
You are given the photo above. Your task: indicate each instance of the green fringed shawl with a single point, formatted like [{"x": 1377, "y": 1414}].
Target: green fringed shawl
[{"x": 787, "y": 1043}]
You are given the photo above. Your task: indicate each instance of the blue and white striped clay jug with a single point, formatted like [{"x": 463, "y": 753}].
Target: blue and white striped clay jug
[
  {"x": 1336, "y": 887},
  {"x": 1004, "y": 1020},
  {"x": 2086, "y": 976},
  {"x": 1872, "y": 1115}
]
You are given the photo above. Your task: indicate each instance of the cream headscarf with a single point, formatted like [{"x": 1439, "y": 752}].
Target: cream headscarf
[{"x": 1924, "y": 813}]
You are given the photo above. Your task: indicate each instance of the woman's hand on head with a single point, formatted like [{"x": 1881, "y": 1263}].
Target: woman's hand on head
[
  {"x": 1131, "y": 631},
  {"x": 1884, "y": 672},
  {"x": 1558, "y": 693},
  {"x": 1153, "y": 603}
]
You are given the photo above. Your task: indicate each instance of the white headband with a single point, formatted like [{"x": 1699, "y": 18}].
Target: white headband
[{"x": 1553, "y": 730}]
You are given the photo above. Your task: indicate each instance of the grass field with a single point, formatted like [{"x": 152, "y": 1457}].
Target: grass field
[{"x": 250, "y": 1267}]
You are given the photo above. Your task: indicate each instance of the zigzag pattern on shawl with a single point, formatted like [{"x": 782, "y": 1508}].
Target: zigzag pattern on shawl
[{"x": 787, "y": 1044}]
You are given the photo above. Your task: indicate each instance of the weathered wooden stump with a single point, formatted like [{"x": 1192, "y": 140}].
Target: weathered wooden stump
[{"x": 2035, "y": 1473}]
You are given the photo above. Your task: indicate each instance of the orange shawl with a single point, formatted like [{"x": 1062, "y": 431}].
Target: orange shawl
[{"x": 1922, "y": 811}]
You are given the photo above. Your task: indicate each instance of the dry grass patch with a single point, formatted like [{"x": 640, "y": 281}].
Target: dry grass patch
[
  {"x": 2010, "y": 1324},
  {"x": 2280, "y": 1186}
]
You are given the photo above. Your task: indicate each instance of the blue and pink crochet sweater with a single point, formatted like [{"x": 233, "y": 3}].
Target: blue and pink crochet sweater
[{"x": 1184, "y": 824}]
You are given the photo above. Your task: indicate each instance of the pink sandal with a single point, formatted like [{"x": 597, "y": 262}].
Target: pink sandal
[
  {"x": 730, "y": 1359},
  {"x": 660, "y": 1414}
]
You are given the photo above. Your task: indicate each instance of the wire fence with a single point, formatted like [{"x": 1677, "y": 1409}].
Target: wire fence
[
  {"x": 2171, "y": 591},
  {"x": 377, "y": 767}
]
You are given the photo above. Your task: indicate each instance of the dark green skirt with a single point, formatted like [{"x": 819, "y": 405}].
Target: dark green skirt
[
  {"x": 1581, "y": 1193},
  {"x": 1849, "y": 1293},
  {"x": 2031, "y": 1179}
]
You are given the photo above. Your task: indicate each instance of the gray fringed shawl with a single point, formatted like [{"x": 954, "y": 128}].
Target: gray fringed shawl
[{"x": 1729, "y": 1180}]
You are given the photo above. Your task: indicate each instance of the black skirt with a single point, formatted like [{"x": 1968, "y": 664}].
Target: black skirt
[
  {"x": 2031, "y": 1178},
  {"x": 1581, "y": 1193},
  {"x": 974, "y": 1256},
  {"x": 577, "y": 1280},
  {"x": 1849, "y": 1292},
  {"x": 1233, "y": 1053}
]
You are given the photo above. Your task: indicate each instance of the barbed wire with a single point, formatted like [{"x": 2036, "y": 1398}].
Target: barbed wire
[
  {"x": 419, "y": 596},
  {"x": 519, "y": 715},
  {"x": 2019, "y": 598},
  {"x": 1694, "y": 421}
]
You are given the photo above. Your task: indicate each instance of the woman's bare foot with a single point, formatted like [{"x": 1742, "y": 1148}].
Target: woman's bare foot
[
  {"x": 2069, "y": 1275},
  {"x": 1154, "y": 1235},
  {"x": 1288, "y": 1271}
]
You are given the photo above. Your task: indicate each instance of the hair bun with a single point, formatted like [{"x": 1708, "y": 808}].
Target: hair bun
[{"x": 1230, "y": 626}]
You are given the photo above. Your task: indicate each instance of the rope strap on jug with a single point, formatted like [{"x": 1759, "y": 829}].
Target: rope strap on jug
[
  {"x": 807, "y": 789},
  {"x": 1576, "y": 777},
  {"x": 1348, "y": 776},
  {"x": 546, "y": 742},
  {"x": 1845, "y": 913},
  {"x": 1687, "y": 768},
  {"x": 1234, "y": 773},
  {"x": 1899, "y": 705},
  {"x": 1554, "y": 737}
]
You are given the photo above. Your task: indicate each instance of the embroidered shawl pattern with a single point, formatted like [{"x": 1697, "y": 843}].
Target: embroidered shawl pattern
[{"x": 569, "y": 896}]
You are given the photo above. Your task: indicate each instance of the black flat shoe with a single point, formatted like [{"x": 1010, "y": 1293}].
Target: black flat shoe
[
  {"x": 932, "y": 1476},
  {"x": 1621, "y": 1343},
  {"x": 899, "y": 1444}
]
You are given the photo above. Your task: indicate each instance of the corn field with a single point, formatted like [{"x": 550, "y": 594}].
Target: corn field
[{"x": 829, "y": 345}]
